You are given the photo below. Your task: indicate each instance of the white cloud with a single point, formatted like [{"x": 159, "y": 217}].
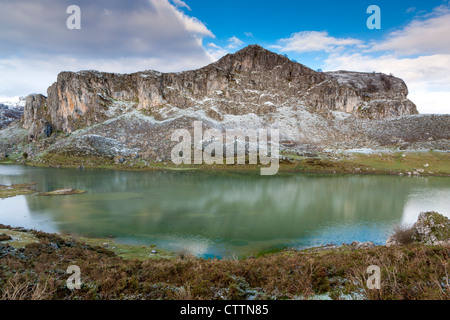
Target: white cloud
[
  {"x": 116, "y": 36},
  {"x": 181, "y": 4},
  {"x": 41, "y": 72},
  {"x": 234, "y": 42},
  {"x": 422, "y": 36},
  {"x": 312, "y": 41},
  {"x": 419, "y": 53},
  {"x": 216, "y": 52},
  {"x": 249, "y": 34}
]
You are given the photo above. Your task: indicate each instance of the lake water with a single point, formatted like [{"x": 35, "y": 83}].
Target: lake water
[{"x": 222, "y": 214}]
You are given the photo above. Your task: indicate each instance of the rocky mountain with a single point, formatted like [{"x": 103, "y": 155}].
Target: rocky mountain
[{"x": 108, "y": 114}]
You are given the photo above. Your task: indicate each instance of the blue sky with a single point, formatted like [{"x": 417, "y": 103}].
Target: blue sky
[
  {"x": 264, "y": 22},
  {"x": 268, "y": 20},
  {"x": 174, "y": 35}
]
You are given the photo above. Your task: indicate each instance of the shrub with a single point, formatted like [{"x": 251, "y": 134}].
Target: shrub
[{"x": 403, "y": 235}]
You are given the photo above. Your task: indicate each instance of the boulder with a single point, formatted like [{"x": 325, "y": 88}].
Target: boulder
[
  {"x": 363, "y": 245},
  {"x": 431, "y": 228}
]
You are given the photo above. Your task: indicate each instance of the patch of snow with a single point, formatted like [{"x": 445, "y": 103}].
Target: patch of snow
[
  {"x": 341, "y": 115},
  {"x": 13, "y": 102}
]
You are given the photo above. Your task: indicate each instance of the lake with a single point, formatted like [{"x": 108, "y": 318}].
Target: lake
[{"x": 221, "y": 214}]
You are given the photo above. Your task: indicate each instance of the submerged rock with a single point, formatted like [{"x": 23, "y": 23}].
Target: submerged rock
[{"x": 62, "y": 192}]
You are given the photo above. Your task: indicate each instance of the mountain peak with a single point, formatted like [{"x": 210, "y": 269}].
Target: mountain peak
[{"x": 254, "y": 57}]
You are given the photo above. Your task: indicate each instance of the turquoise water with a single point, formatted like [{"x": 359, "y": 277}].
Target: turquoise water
[{"x": 221, "y": 214}]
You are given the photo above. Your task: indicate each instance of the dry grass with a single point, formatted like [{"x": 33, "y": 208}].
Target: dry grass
[
  {"x": 18, "y": 288},
  {"x": 403, "y": 235},
  {"x": 407, "y": 272}
]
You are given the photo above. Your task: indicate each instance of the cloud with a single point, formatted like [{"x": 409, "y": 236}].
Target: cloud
[
  {"x": 181, "y": 4},
  {"x": 419, "y": 53},
  {"x": 41, "y": 71},
  {"x": 249, "y": 34},
  {"x": 119, "y": 36},
  {"x": 110, "y": 28},
  {"x": 312, "y": 41},
  {"x": 216, "y": 52},
  {"x": 424, "y": 35},
  {"x": 234, "y": 43}
]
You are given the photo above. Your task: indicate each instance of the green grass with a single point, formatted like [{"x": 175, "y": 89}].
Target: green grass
[
  {"x": 438, "y": 162},
  {"x": 430, "y": 163},
  {"x": 19, "y": 239},
  {"x": 127, "y": 252}
]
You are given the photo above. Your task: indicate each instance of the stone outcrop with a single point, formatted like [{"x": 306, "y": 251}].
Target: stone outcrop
[
  {"x": 251, "y": 81},
  {"x": 431, "y": 228}
]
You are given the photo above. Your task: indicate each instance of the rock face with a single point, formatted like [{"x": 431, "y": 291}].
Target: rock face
[
  {"x": 251, "y": 81},
  {"x": 431, "y": 228},
  {"x": 133, "y": 115}
]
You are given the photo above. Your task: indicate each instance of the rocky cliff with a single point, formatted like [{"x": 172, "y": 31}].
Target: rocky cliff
[
  {"x": 126, "y": 114},
  {"x": 251, "y": 81}
]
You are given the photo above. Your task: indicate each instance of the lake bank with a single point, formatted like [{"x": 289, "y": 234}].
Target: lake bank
[
  {"x": 388, "y": 162},
  {"x": 37, "y": 271}
]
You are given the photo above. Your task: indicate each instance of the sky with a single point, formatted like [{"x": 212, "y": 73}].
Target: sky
[{"x": 123, "y": 36}]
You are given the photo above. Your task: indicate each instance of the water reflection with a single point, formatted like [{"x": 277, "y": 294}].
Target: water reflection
[{"x": 223, "y": 213}]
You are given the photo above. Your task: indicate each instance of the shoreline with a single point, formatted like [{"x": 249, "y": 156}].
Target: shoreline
[
  {"x": 410, "y": 163},
  {"x": 412, "y": 271}
]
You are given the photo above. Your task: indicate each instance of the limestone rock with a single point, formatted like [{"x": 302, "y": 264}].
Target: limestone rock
[
  {"x": 253, "y": 80},
  {"x": 363, "y": 245},
  {"x": 431, "y": 228},
  {"x": 92, "y": 113}
]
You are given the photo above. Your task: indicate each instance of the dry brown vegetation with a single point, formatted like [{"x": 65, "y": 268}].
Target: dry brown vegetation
[
  {"x": 403, "y": 235},
  {"x": 38, "y": 272}
]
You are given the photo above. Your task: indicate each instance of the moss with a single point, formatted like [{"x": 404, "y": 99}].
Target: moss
[
  {"x": 18, "y": 239},
  {"x": 128, "y": 252}
]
